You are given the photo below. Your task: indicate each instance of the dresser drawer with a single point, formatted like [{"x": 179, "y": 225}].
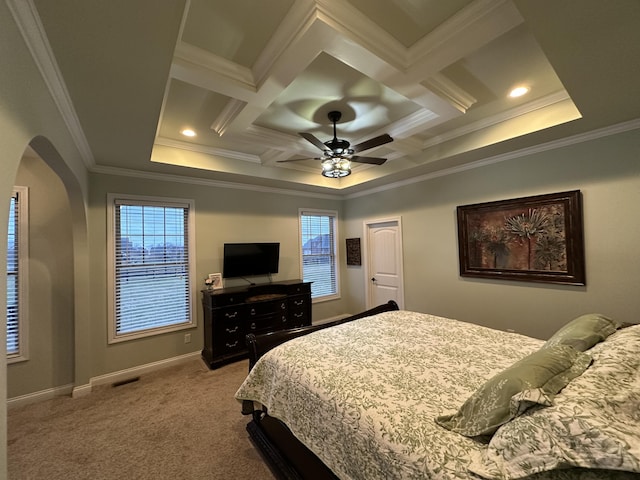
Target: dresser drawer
[
  {"x": 299, "y": 288},
  {"x": 299, "y": 311},
  {"x": 217, "y": 300},
  {"x": 300, "y": 302},
  {"x": 228, "y": 330},
  {"x": 259, "y": 309},
  {"x": 264, "y": 323},
  {"x": 229, "y": 343},
  {"x": 229, "y": 314}
]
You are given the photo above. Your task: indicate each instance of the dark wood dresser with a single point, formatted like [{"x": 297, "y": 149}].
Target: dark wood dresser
[{"x": 231, "y": 313}]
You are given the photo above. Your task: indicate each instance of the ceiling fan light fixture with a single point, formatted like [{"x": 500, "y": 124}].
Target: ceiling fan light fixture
[
  {"x": 338, "y": 154},
  {"x": 336, "y": 167}
]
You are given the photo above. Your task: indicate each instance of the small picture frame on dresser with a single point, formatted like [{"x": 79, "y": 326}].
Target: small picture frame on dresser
[{"x": 216, "y": 281}]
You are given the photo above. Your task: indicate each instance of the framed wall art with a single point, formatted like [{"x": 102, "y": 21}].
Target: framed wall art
[
  {"x": 354, "y": 256},
  {"x": 534, "y": 239}
]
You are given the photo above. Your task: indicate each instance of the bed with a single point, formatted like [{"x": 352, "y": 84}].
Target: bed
[{"x": 396, "y": 394}]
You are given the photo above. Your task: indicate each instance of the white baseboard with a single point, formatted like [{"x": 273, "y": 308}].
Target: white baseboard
[
  {"x": 35, "y": 397},
  {"x": 331, "y": 319},
  {"x": 130, "y": 373},
  {"x": 82, "y": 390}
]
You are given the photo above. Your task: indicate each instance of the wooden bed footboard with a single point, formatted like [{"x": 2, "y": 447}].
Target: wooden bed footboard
[
  {"x": 261, "y": 344},
  {"x": 288, "y": 458}
]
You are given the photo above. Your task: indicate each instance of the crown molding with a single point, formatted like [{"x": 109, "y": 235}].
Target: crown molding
[
  {"x": 214, "y": 151},
  {"x": 524, "y": 109},
  {"x": 270, "y": 138},
  {"x": 412, "y": 123},
  {"x": 165, "y": 177},
  {"x": 229, "y": 112},
  {"x": 543, "y": 147},
  {"x": 208, "y": 61},
  {"x": 447, "y": 89},
  {"x": 555, "y": 144},
  {"x": 295, "y": 23},
  {"x": 28, "y": 21},
  {"x": 482, "y": 20},
  {"x": 350, "y": 23}
]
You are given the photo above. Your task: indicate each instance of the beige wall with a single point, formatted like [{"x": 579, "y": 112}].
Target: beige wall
[
  {"x": 432, "y": 283},
  {"x": 51, "y": 312},
  {"x": 28, "y": 112},
  {"x": 221, "y": 215},
  {"x": 607, "y": 171}
]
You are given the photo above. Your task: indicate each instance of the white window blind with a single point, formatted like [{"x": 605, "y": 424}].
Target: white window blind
[
  {"x": 151, "y": 281},
  {"x": 319, "y": 259},
  {"x": 17, "y": 279}
]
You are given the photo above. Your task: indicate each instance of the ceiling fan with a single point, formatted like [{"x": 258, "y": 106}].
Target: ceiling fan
[{"x": 337, "y": 153}]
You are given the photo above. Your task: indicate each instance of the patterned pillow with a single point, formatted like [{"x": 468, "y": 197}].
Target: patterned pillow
[
  {"x": 583, "y": 332},
  {"x": 533, "y": 380},
  {"x": 594, "y": 422}
]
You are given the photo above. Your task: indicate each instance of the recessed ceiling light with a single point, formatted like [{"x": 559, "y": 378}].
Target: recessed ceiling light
[
  {"x": 518, "y": 92},
  {"x": 187, "y": 132}
]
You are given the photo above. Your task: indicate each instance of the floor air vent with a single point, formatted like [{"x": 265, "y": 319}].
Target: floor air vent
[{"x": 124, "y": 382}]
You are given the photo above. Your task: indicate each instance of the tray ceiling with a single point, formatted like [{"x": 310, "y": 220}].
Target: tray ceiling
[{"x": 248, "y": 75}]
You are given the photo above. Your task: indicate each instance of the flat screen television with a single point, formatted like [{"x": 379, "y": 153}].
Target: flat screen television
[{"x": 250, "y": 259}]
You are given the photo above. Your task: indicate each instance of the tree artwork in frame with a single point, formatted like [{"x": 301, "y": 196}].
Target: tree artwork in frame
[{"x": 533, "y": 239}]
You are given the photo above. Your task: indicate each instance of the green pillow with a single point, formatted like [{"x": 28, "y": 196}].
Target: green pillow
[
  {"x": 583, "y": 332},
  {"x": 534, "y": 380}
]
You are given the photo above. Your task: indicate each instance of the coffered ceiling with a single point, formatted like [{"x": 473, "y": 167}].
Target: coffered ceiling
[{"x": 247, "y": 76}]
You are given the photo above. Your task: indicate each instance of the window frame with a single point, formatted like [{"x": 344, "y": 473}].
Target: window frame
[
  {"x": 22, "y": 226},
  {"x": 336, "y": 253},
  {"x": 154, "y": 201}
]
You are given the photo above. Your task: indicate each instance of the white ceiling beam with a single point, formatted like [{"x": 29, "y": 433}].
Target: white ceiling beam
[{"x": 204, "y": 69}]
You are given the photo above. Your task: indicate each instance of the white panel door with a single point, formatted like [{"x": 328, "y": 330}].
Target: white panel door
[{"x": 384, "y": 262}]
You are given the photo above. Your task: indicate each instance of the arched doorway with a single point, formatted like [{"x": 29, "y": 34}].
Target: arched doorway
[{"x": 59, "y": 276}]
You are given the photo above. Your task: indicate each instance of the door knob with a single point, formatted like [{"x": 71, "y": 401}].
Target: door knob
[{"x": 373, "y": 279}]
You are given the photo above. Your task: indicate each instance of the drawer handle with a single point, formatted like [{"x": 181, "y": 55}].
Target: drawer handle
[
  {"x": 298, "y": 315},
  {"x": 283, "y": 306},
  {"x": 298, "y": 302},
  {"x": 253, "y": 311},
  {"x": 231, "y": 315},
  {"x": 253, "y": 326},
  {"x": 234, "y": 330},
  {"x": 231, "y": 345}
]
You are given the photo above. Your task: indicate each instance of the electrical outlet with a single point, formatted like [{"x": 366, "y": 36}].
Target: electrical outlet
[{"x": 187, "y": 338}]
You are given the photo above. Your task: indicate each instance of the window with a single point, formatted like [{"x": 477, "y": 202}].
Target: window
[
  {"x": 17, "y": 275},
  {"x": 150, "y": 248},
  {"x": 318, "y": 233}
]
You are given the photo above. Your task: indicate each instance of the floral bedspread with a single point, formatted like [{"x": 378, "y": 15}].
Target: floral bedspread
[{"x": 363, "y": 395}]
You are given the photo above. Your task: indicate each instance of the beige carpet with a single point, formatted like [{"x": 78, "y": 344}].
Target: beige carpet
[{"x": 178, "y": 423}]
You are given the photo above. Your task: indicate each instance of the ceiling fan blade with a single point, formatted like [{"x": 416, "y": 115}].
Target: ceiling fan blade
[
  {"x": 371, "y": 160},
  {"x": 297, "y": 159},
  {"x": 313, "y": 139},
  {"x": 372, "y": 142}
]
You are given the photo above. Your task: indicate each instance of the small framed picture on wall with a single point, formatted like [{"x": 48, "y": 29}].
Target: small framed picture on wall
[{"x": 353, "y": 251}]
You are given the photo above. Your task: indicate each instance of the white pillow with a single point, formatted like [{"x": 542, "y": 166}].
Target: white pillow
[{"x": 594, "y": 422}]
